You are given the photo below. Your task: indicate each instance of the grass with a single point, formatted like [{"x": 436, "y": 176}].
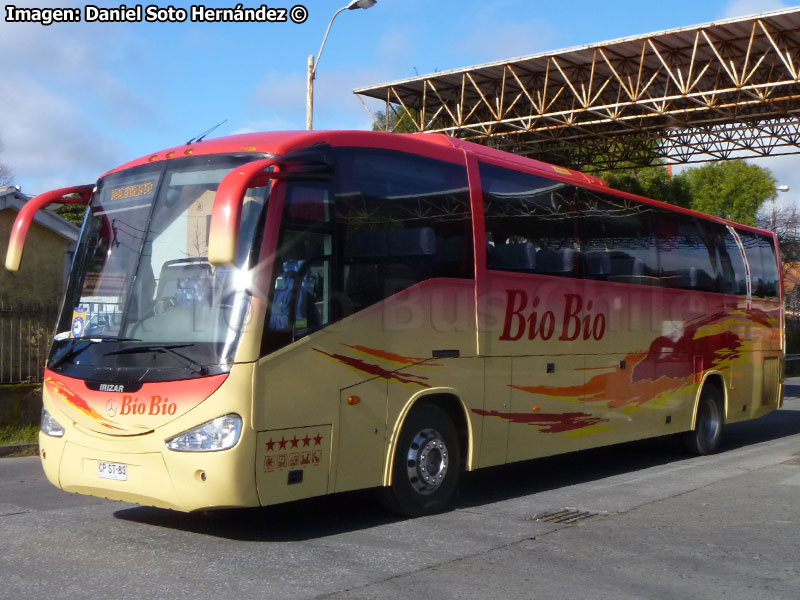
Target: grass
[{"x": 13, "y": 435}]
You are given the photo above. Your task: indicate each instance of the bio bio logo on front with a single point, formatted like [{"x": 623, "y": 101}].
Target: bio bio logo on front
[{"x": 156, "y": 405}]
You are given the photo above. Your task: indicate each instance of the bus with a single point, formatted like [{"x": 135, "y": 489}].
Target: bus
[{"x": 262, "y": 318}]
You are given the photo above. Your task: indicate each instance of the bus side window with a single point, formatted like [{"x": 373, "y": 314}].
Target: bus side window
[
  {"x": 769, "y": 265},
  {"x": 753, "y": 253},
  {"x": 400, "y": 220},
  {"x": 531, "y": 223},
  {"x": 715, "y": 236},
  {"x": 736, "y": 261},
  {"x": 617, "y": 240},
  {"x": 686, "y": 253}
]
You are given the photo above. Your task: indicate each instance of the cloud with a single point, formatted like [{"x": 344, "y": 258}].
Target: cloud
[
  {"x": 48, "y": 142},
  {"x": 743, "y": 8},
  {"x": 62, "y": 92},
  {"x": 78, "y": 61}
]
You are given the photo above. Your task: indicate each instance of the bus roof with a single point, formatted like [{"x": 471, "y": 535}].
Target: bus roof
[
  {"x": 281, "y": 142},
  {"x": 431, "y": 144}
]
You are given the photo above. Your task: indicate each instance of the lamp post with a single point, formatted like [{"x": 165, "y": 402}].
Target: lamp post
[
  {"x": 312, "y": 64},
  {"x": 780, "y": 188}
]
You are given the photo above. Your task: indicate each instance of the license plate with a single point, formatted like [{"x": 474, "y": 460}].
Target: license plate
[{"x": 108, "y": 470}]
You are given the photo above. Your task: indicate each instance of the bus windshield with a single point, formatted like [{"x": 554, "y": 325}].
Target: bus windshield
[{"x": 141, "y": 273}]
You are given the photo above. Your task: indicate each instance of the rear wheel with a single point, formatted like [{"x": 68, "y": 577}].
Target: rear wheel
[
  {"x": 707, "y": 434},
  {"x": 426, "y": 464}
]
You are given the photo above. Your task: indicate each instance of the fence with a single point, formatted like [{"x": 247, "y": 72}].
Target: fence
[{"x": 26, "y": 331}]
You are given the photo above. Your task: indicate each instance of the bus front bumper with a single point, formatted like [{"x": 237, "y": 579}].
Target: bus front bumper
[{"x": 184, "y": 481}]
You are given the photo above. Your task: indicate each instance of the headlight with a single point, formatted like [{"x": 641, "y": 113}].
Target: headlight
[
  {"x": 220, "y": 434},
  {"x": 50, "y": 426}
]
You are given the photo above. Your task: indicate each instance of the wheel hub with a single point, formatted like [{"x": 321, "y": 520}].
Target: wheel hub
[{"x": 427, "y": 461}]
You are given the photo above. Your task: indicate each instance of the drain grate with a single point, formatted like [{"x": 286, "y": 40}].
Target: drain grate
[{"x": 568, "y": 516}]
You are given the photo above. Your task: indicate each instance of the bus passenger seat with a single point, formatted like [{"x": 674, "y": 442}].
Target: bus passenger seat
[
  {"x": 185, "y": 281},
  {"x": 281, "y": 299},
  {"x": 557, "y": 262},
  {"x": 412, "y": 253},
  {"x": 598, "y": 264},
  {"x": 624, "y": 265},
  {"x": 514, "y": 257}
]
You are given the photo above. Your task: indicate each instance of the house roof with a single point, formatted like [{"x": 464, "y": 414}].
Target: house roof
[{"x": 12, "y": 198}]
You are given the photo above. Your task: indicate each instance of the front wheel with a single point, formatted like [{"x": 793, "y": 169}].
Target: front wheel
[
  {"x": 707, "y": 434},
  {"x": 426, "y": 464}
]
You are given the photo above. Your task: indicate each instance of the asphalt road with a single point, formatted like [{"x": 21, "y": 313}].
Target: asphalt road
[{"x": 657, "y": 524}]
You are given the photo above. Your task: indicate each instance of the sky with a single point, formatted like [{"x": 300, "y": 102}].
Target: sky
[{"x": 81, "y": 98}]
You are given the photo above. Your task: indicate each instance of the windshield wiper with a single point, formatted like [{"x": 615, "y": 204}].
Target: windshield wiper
[
  {"x": 76, "y": 347},
  {"x": 166, "y": 349}
]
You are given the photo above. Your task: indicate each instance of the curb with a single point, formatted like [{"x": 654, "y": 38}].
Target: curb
[{"x": 19, "y": 450}]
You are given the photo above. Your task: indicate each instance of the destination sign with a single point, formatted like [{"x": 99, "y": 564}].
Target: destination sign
[{"x": 132, "y": 191}]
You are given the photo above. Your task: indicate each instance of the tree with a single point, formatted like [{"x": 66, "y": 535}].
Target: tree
[
  {"x": 731, "y": 189},
  {"x": 5, "y": 172},
  {"x": 400, "y": 121},
  {"x": 785, "y": 223},
  {"x": 73, "y": 213},
  {"x": 652, "y": 182},
  {"x": 5, "y": 175},
  {"x": 403, "y": 121}
]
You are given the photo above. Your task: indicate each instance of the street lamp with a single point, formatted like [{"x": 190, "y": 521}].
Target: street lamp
[
  {"x": 312, "y": 64},
  {"x": 780, "y": 188}
]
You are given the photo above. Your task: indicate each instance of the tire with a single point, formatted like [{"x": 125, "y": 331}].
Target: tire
[
  {"x": 426, "y": 464},
  {"x": 707, "y": 434}
]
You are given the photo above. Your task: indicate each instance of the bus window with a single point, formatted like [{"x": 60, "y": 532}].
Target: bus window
[
  {"x": 753, "y": 254},
  {"x": 394, "y": 220},
  {"x": 617, "y": 240},
  {"x": 686, "y": 253},
  {"x": 769, "y": 265},
  {"x": 531, "y": 223},
  {"x": 726, "y": 259},
  {"x": 400, "y": 219},
  {"x": 734, "y": 254}
]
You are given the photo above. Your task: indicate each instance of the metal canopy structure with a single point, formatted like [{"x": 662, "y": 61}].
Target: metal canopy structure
[{"x": 708, "y": 92}]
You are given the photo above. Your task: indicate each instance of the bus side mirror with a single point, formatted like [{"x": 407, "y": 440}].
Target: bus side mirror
[
  {"x": 226, "y": 214},
  {"x": 80, "y": 194}
]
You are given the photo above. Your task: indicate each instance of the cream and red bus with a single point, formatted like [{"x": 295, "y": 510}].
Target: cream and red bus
[{"x": 267, "y": 317}]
